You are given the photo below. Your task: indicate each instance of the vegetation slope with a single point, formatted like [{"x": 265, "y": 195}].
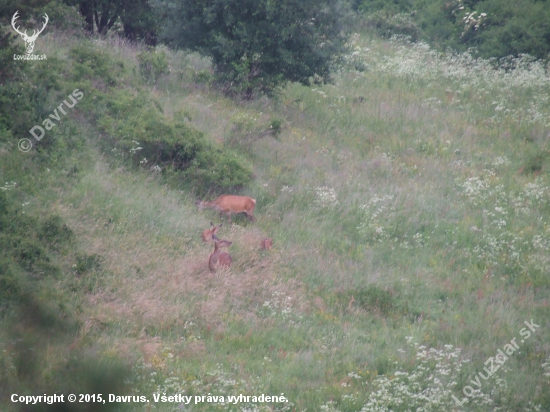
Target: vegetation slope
[{"x": 408, "y": 203}]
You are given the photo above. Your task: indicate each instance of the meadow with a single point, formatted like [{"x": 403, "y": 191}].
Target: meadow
[{"x": 408, "y": 203}]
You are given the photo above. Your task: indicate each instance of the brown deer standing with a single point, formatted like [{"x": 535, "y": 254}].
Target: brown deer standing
[
  {"x": 219, "y": 258},
  {"x": 229, "y": 204},
  {"x": 209, "y": 234}
]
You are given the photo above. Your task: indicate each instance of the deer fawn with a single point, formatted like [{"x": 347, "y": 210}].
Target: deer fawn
[
  {"x": 231, "y": 204},
  {"x": 209, "y": 234},
  {"x": 219, "y": 258},
  {"x": 266, "y": 244}
]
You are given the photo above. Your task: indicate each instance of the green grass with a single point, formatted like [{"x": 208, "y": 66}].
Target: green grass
[{"x": 385, "y": 195}]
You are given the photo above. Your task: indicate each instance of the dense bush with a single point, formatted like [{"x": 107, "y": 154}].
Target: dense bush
[
  {"x": 54, "y": 232},
  {"x": 36, "y": 315},
  {"x": 35, "y": 89},
  {"x": 495, "y": 28},
  {"x": 513, "y": 28},
  {"x": 258, "y": 45},
  {"x": 26, "y": 244},
  {"x": 139, "y": 21},
  {"x": 8, "y": 48},
  {"x": 153, "y": 65},
  {"x": 138, "y": 129},
  {"x": 15, "y": 91},
  {"x": 85, "y": 263},
  {"x": 181, "y": 151},
  {"x": 388, "y": 25},
  {"x": 387, "y": 7},
  {"x": 92, "y": 63}
]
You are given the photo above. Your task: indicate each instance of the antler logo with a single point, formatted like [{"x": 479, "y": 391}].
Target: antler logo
[{"x": 29, "y": 40}]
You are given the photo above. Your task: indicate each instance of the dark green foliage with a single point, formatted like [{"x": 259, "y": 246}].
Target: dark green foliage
[
  {"x": 34, "y": 88},
  {"x": 86, "y": 263},
  {"x": 258, "y": 45},
  {"x": 140, "y": 21},
  {"x": 217, "y": 170},
  {"x": 203, "y": 76},
  {"x": 8, "y": 69},
  {"x": 387, "y": 25},
  {"x": 374, "y": 299},
  {"x": 9, "y": 286},
  {"x": 379, "y": 301},
  {"x": 136, "y": 127},
  {"x": 17, "y": 241},
  {"x": 25, "y": 246},
  {"x": 12, "y": 92},
  {"x": 8, "y": 47},
  {"x": 275, "y": 126},
  {"x": 389, "y": 8},
  {"x": 153, "y": 65},
  {"x": 151, "y": 139},
  {"x": 507, "y": 27},
  {"x": 64, "y": 16},
  {"x": 61, "y": 15},
  {"x": 514, "y": 27},
  {"x": 55, "y": 232},
  {"x": 91, "y": 63},
  {"x": 35, "y": 315},
  {"x": 537, "y": 162},
  {"x": 100, "y": 15},
  {"x": 370, "y": 298}
]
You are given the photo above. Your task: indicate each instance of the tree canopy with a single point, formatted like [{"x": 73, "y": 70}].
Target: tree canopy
[
  {"x": 257, "y": 45},
  {"x": 494, "y": 28}
]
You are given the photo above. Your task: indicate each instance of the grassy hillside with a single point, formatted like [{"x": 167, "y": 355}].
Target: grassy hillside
[{"x": 409, "y": 207}]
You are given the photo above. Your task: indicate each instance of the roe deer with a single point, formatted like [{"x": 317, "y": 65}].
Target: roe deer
[
  {"x": 266, "y": 244},
  {"x": 209, "y": 234},
  {"x": 231, "y": 204},
  {"x": 219, "y": 258}
]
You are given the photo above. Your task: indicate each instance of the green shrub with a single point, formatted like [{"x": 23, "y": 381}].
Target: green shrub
[
  {"x": 493, "y": 28},
  {"x": 276, "y": 126},
  {"x": 374, "y": 299},
  {"x": 8, "y": 47},
  {"x": 371, "y": 298},
  {"x": 513, "y": 28},
  {"x": 25, "y": 243},
  {"x": 55, "y": 232},
  {"x": 387, "y": 25},
  {"x": 85, "y": 263},
  {"x": 63, "y": 16},
  {"x": 203, "y": 77},
  {"x": 9, "y": 286},
  {"x": 27, "y": 252},
  {"x": 91, "y": 63},
  {"x": 536, "y": 162},
  {"x": 153, "y": 65},
  {"x": 388, "y": 7},
  {"x": 182, "y": 152},
  {"x": 257, "y": 46}
]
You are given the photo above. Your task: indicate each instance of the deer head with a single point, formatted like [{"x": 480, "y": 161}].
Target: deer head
[{"x": 29, "y": 40}]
